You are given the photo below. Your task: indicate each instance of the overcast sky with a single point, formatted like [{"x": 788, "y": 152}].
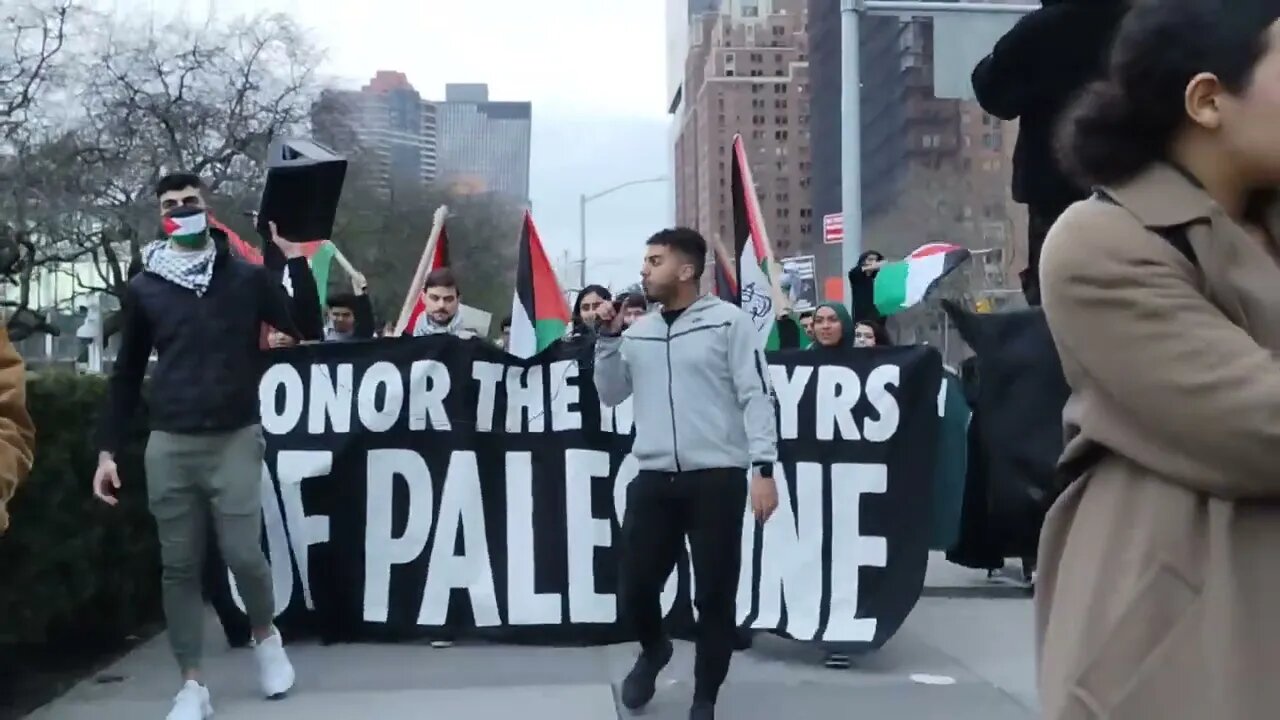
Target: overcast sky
[{"x": 593, "y": 69}]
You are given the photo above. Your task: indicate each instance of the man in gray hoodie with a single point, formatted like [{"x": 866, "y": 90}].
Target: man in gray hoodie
[{"x": 704, "y": 415}]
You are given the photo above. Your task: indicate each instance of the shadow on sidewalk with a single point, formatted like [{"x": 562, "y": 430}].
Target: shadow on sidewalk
[{"x": 33, "y": 675}]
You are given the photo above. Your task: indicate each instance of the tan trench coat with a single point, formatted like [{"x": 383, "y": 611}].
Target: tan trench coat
[
  {"x": 1159, "y": 589},
  {"x": 17, "y": 435},
  {"x": 1159, "y": 596}
]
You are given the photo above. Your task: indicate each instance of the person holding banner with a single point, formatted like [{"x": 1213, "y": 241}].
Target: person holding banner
[
  {"x": 201, "y": 309},
  {"x": 704, "y": 415},
  {"x": 442, "y": 307}
]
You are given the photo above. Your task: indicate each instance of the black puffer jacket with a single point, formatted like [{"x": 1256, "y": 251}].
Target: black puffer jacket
[{"x": 206, "y": 376}]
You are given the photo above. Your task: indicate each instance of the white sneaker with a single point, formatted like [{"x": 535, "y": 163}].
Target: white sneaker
[
  {"x": 191, "y": 703},
  {"x": 440, "y": 644},
  {"x": 274, "y": 669}
]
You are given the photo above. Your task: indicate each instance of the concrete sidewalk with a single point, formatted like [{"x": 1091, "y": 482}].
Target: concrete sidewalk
[{"x": 984, "y": 645}]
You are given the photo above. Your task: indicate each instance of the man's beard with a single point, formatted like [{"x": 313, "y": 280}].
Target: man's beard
[
  {"x": 656, "y": 293},
  {"x": 440, "y": 317}
]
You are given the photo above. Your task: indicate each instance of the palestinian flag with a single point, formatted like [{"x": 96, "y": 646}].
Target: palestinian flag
[
  {"x": 319, "y": 256},
  {"x": 183, "y": 227},
  {"x": 755, "y": 291},
  {"x": 899, "y": 285},
  {"x": 439, "y": 259},
  {"x": 539, "y": 313},
  {"x": 246, "y": 251}
]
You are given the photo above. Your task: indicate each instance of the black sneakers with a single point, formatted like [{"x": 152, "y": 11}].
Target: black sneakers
[
  {"x": 639, "y": 686},
  {"x": 702, "y": 710}
]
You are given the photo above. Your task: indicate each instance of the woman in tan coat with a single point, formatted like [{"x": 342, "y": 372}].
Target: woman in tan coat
[{"x": 1159, "y": 593}]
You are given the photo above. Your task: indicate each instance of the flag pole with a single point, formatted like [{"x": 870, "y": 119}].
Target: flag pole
[
  {"x": 424, "y": 267},
  {"x": 724, "y": 258},
  {"x": 343, "y": 261},
  {"x": 780, "y": 303}
]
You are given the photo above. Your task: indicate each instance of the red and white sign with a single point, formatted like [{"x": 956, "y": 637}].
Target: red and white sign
[{"x": 833, "y": 229}]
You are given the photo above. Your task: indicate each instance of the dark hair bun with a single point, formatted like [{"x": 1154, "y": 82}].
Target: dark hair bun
[{"x": 1106, "y": 136}]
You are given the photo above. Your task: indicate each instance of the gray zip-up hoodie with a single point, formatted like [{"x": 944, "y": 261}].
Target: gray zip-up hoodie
[{"x": 704, "y": 399}]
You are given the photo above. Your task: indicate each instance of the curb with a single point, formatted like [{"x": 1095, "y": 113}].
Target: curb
[{"x": 993, "y": 591}]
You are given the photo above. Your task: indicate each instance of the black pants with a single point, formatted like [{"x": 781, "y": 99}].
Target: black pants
[{"x": 662, "y": 508}]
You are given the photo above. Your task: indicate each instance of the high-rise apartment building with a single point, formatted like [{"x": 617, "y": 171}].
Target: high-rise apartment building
[
  {"x": 680, "y": 18},
  {"x": 747, "y": 73},
  {"x": 483, "y": 145},
  {"x": 933, "y": 169},
  {"x": 386, "y": 119}
]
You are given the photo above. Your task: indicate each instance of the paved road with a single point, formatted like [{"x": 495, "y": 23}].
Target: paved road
[{"x": 984, "y": 644}]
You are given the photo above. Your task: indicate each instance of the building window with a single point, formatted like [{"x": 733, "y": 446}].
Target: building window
[
  {"x": 755, "y": 89},
  {"x": 780, "y": 119},
  {"x": 784, "y": 213},
  {"x": 806, "y": 212},
  {"x": 721, "y": 119},
  {"x": 803, "y": 119},
  {"x": 757, "y": 135},
  {"x": 757, "y": 119},
  {"x": 780, "y": 135},
  {"x": 757, "y": 57},
  {"x": 779, "y": 31},
  {"x": 780, "y": 104},
  {"x": 728, "y": 58}
]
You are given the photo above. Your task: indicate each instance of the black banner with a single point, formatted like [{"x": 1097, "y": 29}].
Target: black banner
[{"x": 435, "y": 487}]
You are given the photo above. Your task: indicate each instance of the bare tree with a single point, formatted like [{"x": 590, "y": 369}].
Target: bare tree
[
  {"x": 32, "y": 41},
  {"x": 202, "y": 99},
  {"x": 32, "y": 35}
]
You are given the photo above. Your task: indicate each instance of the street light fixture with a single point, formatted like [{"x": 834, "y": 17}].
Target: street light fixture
[{"x": 582, "y": 218}]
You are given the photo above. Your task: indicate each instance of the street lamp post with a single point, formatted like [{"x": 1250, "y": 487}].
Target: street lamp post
[
  {"x": 582, "y": 219},
  {"x": 851, "y": 98}
]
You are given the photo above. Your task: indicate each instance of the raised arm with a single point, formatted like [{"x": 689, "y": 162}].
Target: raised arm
[
  {"x": 307, "y": 314},
  {"x": 755, "y": 396},
  {"x": 273, "y": 305},
  {"x": 1172, "y": 383},
  {"x": 612, "y": 375}
]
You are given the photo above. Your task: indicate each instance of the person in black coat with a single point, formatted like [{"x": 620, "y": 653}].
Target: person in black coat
[{"x": 1031, "y": 75}]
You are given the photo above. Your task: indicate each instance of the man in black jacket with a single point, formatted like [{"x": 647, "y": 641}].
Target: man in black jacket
[
  {"x": 201, "y": 309},
  {"x": 1033, "y": 73}
]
